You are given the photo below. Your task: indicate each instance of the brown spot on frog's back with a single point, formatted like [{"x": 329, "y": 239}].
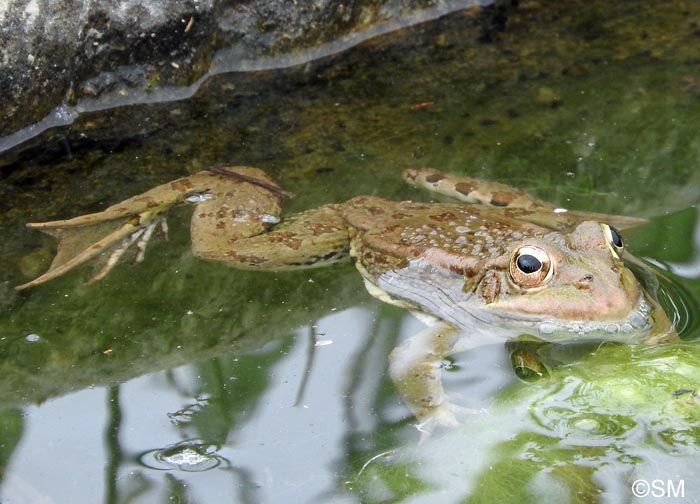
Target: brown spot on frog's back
[
  {"x": 251, "y": 260},
  {"x": 465, "y": 188},
  {"x": 435, "y": 177},
  {"x": 391, "y": 229},
  {"x": 286, "y": 238},
  {"x": 501, "y": 199},
  {"x": 181, "y": 185},
  {"x": 319, "y": 229},
  {"x": 516, "y": 213},
  {"x": 443, "y": 217}
]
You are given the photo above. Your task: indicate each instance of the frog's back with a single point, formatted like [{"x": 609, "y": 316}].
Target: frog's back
[{"x": 400, "y": 231}]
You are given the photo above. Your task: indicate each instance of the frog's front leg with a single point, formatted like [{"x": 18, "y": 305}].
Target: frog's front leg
[{"x": 416, "y": 370}]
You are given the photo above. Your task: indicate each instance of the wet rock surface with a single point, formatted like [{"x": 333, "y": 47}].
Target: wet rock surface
[{"x": 57, "y": 53}]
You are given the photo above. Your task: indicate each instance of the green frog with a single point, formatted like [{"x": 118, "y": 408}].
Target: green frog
[{"x": 502, "y": 265}]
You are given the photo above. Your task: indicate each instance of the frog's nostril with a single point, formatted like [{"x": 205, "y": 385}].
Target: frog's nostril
[{"x": 585, "y": 282}]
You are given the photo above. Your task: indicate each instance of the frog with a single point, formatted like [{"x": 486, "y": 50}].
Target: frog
[{"x": 486, "y": 263}]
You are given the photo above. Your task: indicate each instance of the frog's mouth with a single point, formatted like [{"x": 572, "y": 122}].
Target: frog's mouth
[{"x": 439, "y": 292}]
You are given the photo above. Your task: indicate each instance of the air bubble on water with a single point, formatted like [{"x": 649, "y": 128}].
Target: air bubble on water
[
  {"x": 612, "y": 328},
  {"x": 64, "y": 115},
  {"x": 188, "y": 456},
  {"x": 547, "y": 328},
  {"x": 198, "y": 198},
  {"x": 639, "y": 320},
  {"x": 587, "y": 424}
]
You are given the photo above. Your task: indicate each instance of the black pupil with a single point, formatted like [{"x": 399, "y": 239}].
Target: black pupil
[
  {"x": 616, "y": 238},
  {"x": 528, "y": 263}
]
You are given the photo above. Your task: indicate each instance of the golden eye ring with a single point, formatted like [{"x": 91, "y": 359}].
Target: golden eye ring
[
  {"x": 614, "y": 240},
  {"x": 530, "y": 267}
]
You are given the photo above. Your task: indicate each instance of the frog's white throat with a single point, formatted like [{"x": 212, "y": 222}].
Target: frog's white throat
[{"x": 438, "y": 292}]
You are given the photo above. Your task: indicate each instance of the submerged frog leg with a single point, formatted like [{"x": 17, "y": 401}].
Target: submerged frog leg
[
  {"x": 472, "y": 190},
  {"x": 79, "y": 245},
  {"x": 117, "y": 253},
  {"x": 308, "y": 239},
  {"x": 416, "y": 367},
  {"x": 113, "y": 230},
  {"x": 495, "y": 194}
]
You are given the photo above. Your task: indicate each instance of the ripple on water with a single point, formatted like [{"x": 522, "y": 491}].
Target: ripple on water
[
  {"x": 678, "y": 304},
  {"x": 567, "y": 414},
  {"x": 188, "y": 456}
]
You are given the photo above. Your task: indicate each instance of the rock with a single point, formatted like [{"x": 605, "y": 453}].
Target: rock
[{"x": 60, "y": 59}]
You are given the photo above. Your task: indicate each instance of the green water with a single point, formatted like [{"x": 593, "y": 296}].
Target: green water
[{"x": 107, "y": 388}]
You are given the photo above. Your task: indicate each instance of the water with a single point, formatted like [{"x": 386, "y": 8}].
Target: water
[{"x": 178, "y": 380}]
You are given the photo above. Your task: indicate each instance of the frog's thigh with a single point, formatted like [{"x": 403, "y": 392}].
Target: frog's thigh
[
  {"x": 308, "y": 239},
  {"x": 472, "y": 190}
]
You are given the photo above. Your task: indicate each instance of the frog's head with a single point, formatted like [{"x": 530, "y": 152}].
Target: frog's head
[
  {"x": 574, "y": 277},
  {"x": 551, "y": 285}
]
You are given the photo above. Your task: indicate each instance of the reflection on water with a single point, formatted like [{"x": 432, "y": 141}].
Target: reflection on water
[
  {"x": 177, "y": 379},
  {"x": 226, "y": 450}
]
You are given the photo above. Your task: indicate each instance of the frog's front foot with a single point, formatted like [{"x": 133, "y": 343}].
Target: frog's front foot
[
  {"x": 416, "y": 368},
  {"x": 443, "y": 416}
]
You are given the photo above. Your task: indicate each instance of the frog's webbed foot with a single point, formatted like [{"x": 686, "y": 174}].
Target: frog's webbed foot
[
  {"x": 444, "y": 416},
  {"x": 79, "y": 242},
  {"x": 141, "y": 237},
  {"x": 115, "y": 230}
]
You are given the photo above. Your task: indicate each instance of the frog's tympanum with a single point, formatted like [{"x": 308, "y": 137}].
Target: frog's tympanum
[{"x": 504, "y": 265}]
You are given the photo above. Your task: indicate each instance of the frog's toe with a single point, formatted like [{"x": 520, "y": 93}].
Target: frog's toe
[
  {"x": 140, "y": 237},
  {"x": 79, "y": 244}
]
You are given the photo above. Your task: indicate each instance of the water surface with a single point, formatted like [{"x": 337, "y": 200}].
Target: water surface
[{"x": 177, "y": 380}]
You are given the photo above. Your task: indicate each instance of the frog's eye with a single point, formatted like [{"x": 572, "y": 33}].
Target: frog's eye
[
  {"x": 614, "y": 240},
  {"x": 530, "y": 267}
]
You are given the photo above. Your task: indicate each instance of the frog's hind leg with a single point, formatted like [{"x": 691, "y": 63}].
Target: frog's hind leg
[
  {"x": 132, "y": 221},
  {"x": 308, "y": 239},
  {"x": 495, "y": 194},
  {"x": 472, "y": 190}
]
